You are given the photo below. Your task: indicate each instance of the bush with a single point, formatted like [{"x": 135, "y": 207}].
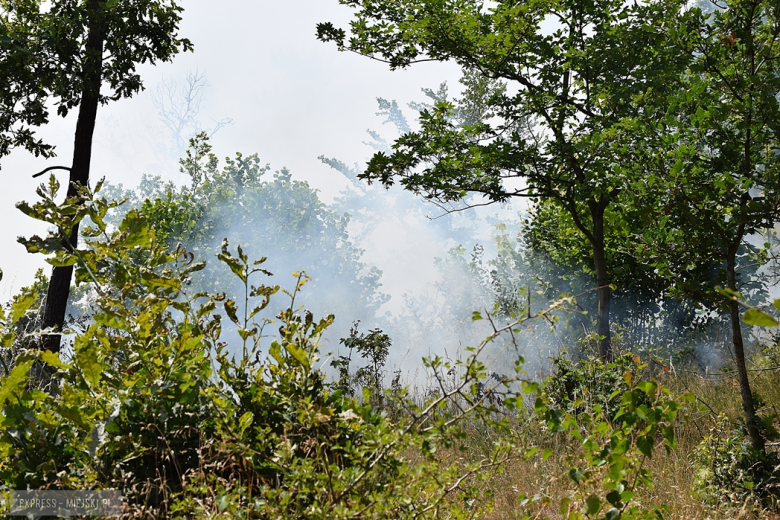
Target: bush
[
  {"x": 613, "y": 443},
  {"x": 152, "y": 401},
  {"x": 730, "y": 471},
  {"x": 578, "y": 387}
]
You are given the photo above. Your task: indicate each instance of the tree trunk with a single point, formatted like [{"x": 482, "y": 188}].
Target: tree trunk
[
  {"x": 602, "y": 282},
  {"x": 59, "y": 285},
  {"x": 756, "y": 439}
]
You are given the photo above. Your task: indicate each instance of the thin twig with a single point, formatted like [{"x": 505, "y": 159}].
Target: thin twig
[{"x": 50, "y": 168}]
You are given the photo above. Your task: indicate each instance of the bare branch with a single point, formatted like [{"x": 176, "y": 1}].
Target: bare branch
[{"x": 50, "y": 168}]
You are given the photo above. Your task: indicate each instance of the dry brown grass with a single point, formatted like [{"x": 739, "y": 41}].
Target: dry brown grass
[{"x": 673, "y": 473}]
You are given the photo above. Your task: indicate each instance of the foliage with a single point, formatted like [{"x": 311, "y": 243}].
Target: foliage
[
  {"x": 47, "y": 51},
  {"x": 610, "y": 469},
  {"x": 370, "y": 203},
  {"x": 241, "y": 203},
  {"x": 581, "y": 386},
  {"x": 711, "y": 180},
  {"x": 374, "y": 348},
  {"x": 559, "y": 129},
  {"x": 652, "y": 316},
  {"x": 730, "y": 471},
  {"x": 152, "y": 401}
]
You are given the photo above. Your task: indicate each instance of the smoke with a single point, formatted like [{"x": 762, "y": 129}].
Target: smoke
[{"x": 386, "y": 257}]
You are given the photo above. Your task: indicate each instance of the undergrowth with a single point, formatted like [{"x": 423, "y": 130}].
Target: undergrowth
[{"x": 194, "y": 407}]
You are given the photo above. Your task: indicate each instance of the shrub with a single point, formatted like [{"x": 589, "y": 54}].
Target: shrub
[
  {"x": 609, "y": 467},
  {"x": 730, "y": 471},
  {"x": 578, "y": 387},
  {"x": 154, "y": 402}
]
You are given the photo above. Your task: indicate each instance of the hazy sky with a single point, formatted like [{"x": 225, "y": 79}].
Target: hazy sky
[{"x": 291, "y": 98}]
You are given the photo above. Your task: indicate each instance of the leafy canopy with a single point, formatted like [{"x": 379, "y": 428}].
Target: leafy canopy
[{"x": 44, "y": 56}]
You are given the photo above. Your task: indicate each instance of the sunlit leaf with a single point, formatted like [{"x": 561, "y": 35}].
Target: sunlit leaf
[
  {"x": 53, "y": 359},
  {"x": 15, "y": 380},
  {"x": 297, "y": 353},
  {"x": 135, "y": 229},
  {"x": 23, "y": 303},
  {"x": 759, "y": 318}
]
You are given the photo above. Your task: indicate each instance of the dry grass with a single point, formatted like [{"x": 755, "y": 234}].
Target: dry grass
[{"x": 673, "y": 473}]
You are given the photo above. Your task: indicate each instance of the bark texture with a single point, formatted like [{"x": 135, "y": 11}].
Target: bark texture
[
  {"x": 748, "y": 406},
  {"x": 602, "y": 282},
  {"x": 92, "y": 70}
]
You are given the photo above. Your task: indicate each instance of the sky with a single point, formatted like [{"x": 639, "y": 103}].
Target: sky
[{"x": 291, "y": 99}]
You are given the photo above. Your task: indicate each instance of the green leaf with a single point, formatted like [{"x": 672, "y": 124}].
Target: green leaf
[
  {"x": 245, "y": 333},
  {"x": 297, "y": 353},
  {"x": 648, "y": 387},
  {"x": 759, "y": 318},
  {"x": 135, "y": 230},
  {"x": 22, "y": 304},
  {"x": 111, "y": 320},
  {"x": 613, "y": 497},
  {"x": 152, "y": 280},
  {"x": 62, "y": 259},
  {"x": 592, "y": 505},
  {"x": 645, "y": 445},
  {"x": 53, "y": 359},
  {"x": 75, "y": 416},
  {"x": 530, "y": 453},
  {"x": 565, "y": 504},
  {"x": 244, "y": 422},
  {"x": 232, "y": 262},
  {"x": 16, "y": 379},
  {"x": 668, "y": 433},
  {"x": 87, "y": 359},
  {"x": 222, "y": 502},
  {"x": 576, "y": 475},
  {"x": 276, "y": 352}
]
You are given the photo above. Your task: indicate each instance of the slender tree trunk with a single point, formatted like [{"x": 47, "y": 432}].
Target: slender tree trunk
[
  {"x": 59, "y": 285},
  {"x": 602, "y": 282},
  {"x": 756, "y": 439}
]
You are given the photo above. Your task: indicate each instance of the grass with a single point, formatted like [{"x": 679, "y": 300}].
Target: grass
[{"x": 674, "y": 474}]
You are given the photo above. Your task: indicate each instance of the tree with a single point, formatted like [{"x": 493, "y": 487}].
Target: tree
[
  {"x": 178, "y": 105},
  {"x": 244, "y": 203},
  {"x": 553, "y": 132},
  {"x": 23, "y": 102},
  {"x": 370, "y": 202},
  {"x": 650, "y": 315},
  {"x": 714, "y": 176},
  {"x": 66, "y": 53}
]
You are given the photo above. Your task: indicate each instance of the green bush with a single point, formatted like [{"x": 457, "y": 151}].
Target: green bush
[
  {"x": 614, "y": 442},
  {"x": 579, "y": 386},
  {"x": 730, "y": 471},
  {"x": 152, "y": 401}
]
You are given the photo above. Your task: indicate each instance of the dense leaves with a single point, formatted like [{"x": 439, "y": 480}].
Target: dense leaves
[
  {"x": 45, "y": 57},
  {"x": 151, "y": 400},
  {"x": 245, "y": 204},
  {"x": 556, "y": 133}
]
